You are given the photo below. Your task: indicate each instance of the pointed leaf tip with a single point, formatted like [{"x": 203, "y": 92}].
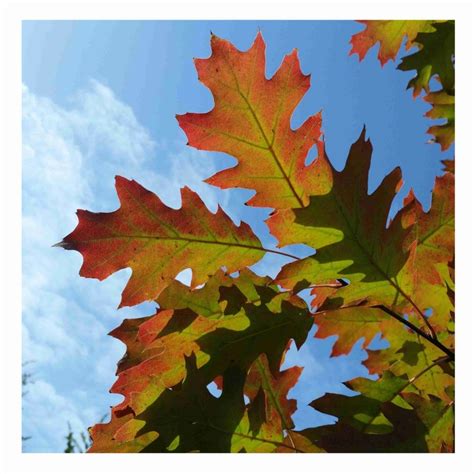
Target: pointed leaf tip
[{"x": 64, "y": 245}]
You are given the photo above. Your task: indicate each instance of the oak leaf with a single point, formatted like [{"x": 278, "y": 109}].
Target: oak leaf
[
  {"x": 434, "y": 58},
  {"x": 218, "y": 337},
  {"x": 251, "y": 121},
  {"x": 442, "y": 108},
  {"x": 390, "y": 34},
  {"x": 277, "y": 408},
  {"x": 348, "y": 228},
  {"x": 378, "y": 418},
  {"x": 158, "y": 242}
]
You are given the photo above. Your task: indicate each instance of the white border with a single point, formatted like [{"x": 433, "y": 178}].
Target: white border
[{"x": 13, "y": 12}]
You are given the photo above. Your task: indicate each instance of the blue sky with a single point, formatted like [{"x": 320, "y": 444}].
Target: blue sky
[{"x": 100, "y": 99}]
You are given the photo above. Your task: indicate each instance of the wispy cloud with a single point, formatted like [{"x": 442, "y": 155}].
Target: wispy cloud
[{"x": 52, "y": 413}]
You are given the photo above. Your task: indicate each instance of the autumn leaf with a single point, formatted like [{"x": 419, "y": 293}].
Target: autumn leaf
[
  {"x": 261, "y": 380},
  {"x": 434, "y": 58},
  {"x": 390, "y": 34},
  {"x": 369, "y": 276},
  {"x": 438, "y": 418},
  {"x": 119, "y": 435},
  {"x": 201, "y": 422},
  {"x": 165, "y": 338},
  {"x": 188, "y": 418},
  {"x": 157, "y": 242},
  {"x": 364, "y": 411},
  {"x": 434, "y": 235},
  {"x": 348, "y": 228},
  {"x": 402, "y": 266},
  {"x": 251, "y": 122},
  {"x": 341, "y": 223},
  {"x": 408, "y": 434},
  {"x": 183, "y": 418},
  {"x": 442, "y": 108},
  {"x": 260, "y": 325},
  {"x": 268, "y": 414},
  {"x": 381, "y": 412},
  {"x": 350, "y": 324},
  {"x": 408, "y": 352},
  {"x": 409, "y": 355},
  {"x": 221, "y": 294}
]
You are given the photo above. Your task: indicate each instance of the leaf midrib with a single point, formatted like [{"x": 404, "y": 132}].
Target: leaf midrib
[
  {"x": 185, "y": 239},
  {"x": 441, "y": 225},
  {"x": 269, "y": 388},
  {"x": 369, "y": 256},
  {"x": 210, "y": 425},
  {"x": 268, "y": 143}
]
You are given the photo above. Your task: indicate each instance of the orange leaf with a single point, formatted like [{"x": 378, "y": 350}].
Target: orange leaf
[
  {"x": 158, "y": 242},
  {"x": 350, "y": 324},
  {"x": 251, "y": 121}
]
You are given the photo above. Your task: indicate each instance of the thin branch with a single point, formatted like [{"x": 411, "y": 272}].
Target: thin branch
[
  {"x": 278, "y": 252},
  {"x": 407, "y": 323},
  {"x": 426, "y": 369},
  {"x": 423, "y": 318},
  {"x": 429, "y": 337}
]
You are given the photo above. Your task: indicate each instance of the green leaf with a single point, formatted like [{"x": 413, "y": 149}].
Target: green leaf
[
  {"x": 435, "y": 57},
  {"x": 385, "y": 417},
  {"x": 348, "y": 228},
  {"x": 442, "y": 108},
  {"x": 261, "y": 325}
]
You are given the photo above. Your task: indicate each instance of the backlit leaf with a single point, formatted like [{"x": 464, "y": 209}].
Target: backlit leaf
[
  {"x": 277, "y": 406},
  {"x": 442, "y": 108},
  {"x": 350, "y": 324},
  {"x": 434, "y": 234},
  {"x": 157, "y": 242},
  {"x": 385, "y": 417},
  {"x": 251, "y": 122},
  {"x": 390, "y": 34},
  {"x": 348, "y": 228},
  {"x": 259, "y": 328},
  {"x": 372, "y": 274},
  {"x": 434, "y": 58}
]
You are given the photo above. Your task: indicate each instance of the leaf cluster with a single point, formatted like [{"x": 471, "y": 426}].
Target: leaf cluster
[
  {"x": 231, "y": 328},
  {"x": 434, "y": 60}
]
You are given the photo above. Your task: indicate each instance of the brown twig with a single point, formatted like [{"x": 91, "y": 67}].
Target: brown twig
[{"x": 407, "y": 323}]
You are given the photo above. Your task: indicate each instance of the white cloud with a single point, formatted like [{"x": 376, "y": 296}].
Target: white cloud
[
  {"x": 70, "y": 157},
  {"x": 102, "y": 123},
  {"x": 46, "y": 418}
]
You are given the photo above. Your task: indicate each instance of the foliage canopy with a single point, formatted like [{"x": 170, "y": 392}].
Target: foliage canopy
[{"x": 234, "y": 327}]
